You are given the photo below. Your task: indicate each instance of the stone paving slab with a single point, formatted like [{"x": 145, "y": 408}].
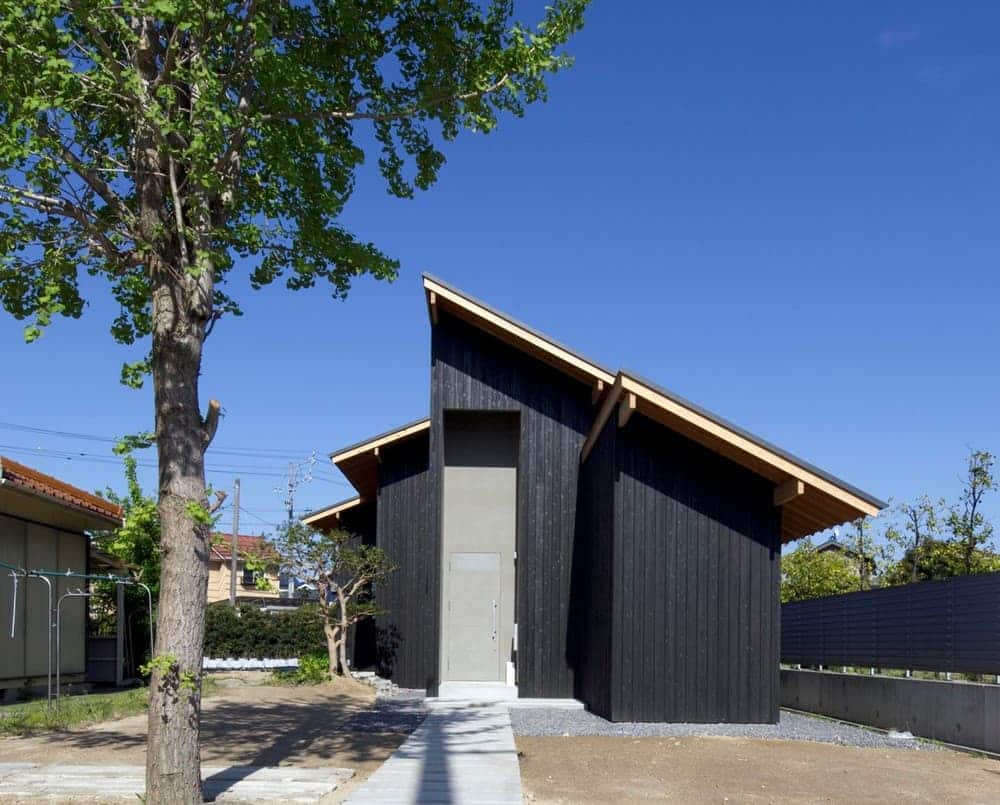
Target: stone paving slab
[
  {"x": 461, "y": 753},
  {"x": 235, "y": 784}
]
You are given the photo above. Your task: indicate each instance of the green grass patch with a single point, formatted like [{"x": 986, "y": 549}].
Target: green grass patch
[
  {"x": 27, "y": 718},
  {"x": 70, "y": 711}
]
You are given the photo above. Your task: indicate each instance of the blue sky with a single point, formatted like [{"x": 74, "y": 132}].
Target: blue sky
[{"x": 790, "y": 218}]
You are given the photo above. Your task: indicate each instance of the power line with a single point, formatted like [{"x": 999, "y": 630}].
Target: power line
[
  {"x": 96, "y": 458},
  {"x": 236, "y": 452}
]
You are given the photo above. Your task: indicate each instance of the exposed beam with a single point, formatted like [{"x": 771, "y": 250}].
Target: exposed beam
[
  {"x": 788, "y": 491},
  {"x": 603, "y": 415},
  {"x": 626, "y": 409},
  {"x": 597, "y": 391},
  {"x": 432, "y": 303},
  {"x": 378, "y": 456}
]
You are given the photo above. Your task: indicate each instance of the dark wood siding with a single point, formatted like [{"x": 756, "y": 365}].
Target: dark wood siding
[
  {"x": 474, "y": 371},
  {"x": 407, "y": 636},
  {"x": 591, "y": 593},
  {"x": 696, "y": 584}
]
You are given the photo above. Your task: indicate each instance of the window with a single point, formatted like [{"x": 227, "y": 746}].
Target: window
[{"x": 249, "y": 577}]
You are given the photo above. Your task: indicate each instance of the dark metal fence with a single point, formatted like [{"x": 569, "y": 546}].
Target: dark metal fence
[{"x": 949, "y": 625}]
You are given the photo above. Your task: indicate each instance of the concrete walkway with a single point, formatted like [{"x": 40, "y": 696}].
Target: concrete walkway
[
  {"x": 30, "y": 782},
  {"x": 462, "y": 753}
]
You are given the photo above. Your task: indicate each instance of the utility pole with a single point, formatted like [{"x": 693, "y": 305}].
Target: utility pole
[
  {"x": 293, "y": 481},
  {"x": 234, "y": 548}
]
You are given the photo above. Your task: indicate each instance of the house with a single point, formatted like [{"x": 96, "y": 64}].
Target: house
[
  {"x": 562, "y": 530},
  {"x": 833, "y": 545},
  {"x": 43, "y": 527},
  {"x": 251, "y": 581}
]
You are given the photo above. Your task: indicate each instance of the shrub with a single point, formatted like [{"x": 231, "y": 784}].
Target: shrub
[
  {"x": 251, "y": 633},
  {"x": 314, "y": 669}
]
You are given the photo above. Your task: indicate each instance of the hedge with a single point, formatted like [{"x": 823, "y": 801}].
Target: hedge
[{"x": 251, "y": 633}]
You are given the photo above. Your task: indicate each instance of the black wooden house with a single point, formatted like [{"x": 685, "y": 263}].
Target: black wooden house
[{"x": 565, "y": 531}]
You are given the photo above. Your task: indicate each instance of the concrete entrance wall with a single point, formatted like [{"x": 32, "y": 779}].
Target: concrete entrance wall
[{"x": 479, "y": 519}]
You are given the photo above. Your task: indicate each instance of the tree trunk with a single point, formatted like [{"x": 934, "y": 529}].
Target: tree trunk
[
  {"x": 173, "y": 773},
  {"x": 342, "y": 612},
  {"x": 332, "y": 643}
]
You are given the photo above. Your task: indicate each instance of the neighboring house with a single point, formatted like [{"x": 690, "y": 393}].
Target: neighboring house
[
  {"x": 561, "y": 530},
  {"x": 43, "y": 526},
  {"x": 833, "y": 545},
  {"x": 250, "y": 582}
]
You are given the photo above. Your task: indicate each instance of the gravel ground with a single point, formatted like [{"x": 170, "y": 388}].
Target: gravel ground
[
  {"x": 541, "y": 722},
  {"x": 400, "y": 712}
]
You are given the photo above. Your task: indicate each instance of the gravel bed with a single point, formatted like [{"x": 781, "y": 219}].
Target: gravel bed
[
  {"x": 545, "y": 721},
  {"x": 400, "y": 712}
]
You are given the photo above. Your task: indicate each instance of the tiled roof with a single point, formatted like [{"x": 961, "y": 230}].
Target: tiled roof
[
  {"x": 18, "y": 476},
  {"x": 245, "y": 543}
]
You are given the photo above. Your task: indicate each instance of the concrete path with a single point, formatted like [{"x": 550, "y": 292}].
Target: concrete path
[
  {"x": 30, "y": 782},
  {"x": 462, "y": 753}
]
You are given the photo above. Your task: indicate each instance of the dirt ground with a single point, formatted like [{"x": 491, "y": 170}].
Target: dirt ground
[
  {"x": 607, "y": 769},
  {"x": 249, "y": 724}
]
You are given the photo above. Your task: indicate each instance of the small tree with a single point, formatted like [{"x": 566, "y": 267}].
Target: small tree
[
  {"x": 864, "y": 552},
  {"x": 969, "y": 528},
  {"x": 137, "y": 542},
  {"x": 920, "y": 525},
  {"x": 343, "y": 571},
  {"x": 808, "y": 573}
]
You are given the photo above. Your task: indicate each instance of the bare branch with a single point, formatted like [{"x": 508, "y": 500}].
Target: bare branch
[
  {"x": 86, "y": 173},
  {"x": 65, "y": 209},
  {"x": 220, "y": 498},
  {"x": 178, "y": 212},
  {"x": 211, "y": 422}
]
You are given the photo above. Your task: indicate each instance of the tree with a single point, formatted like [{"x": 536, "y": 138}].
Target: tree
[
  {"x": 137, "y": 542},
  {"x": 968, "y": 526},
  {"x": 342, "y": 570},
  {"x": 864, "y": 551},
  {"x": 921, "y": 524},
  {"x": 940, "y": 559},
  {"x": 157, "y": 144},
  {"x": 808, "y": 573}
]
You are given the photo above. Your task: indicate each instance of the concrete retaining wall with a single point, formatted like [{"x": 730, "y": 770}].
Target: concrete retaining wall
[{"x": 954, "y": 712}]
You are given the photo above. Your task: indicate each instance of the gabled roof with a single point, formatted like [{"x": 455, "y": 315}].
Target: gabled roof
[
  {"x": 95, "y": 512},
  {"x": 811, "y": 499},
  {"x": 222, "y": 546},
  {"x": 329, "y": 517},
  {"x": 359, "y": 462},
  {"x": 441, "y": 296}
]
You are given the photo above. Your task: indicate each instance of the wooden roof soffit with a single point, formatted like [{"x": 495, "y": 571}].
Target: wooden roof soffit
[
  {"x": 333, "y": 511},
  {"x": 442, "y": 298},
  {"x": 359, "y": 462},
  {"x": 372, "y": 445}
]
